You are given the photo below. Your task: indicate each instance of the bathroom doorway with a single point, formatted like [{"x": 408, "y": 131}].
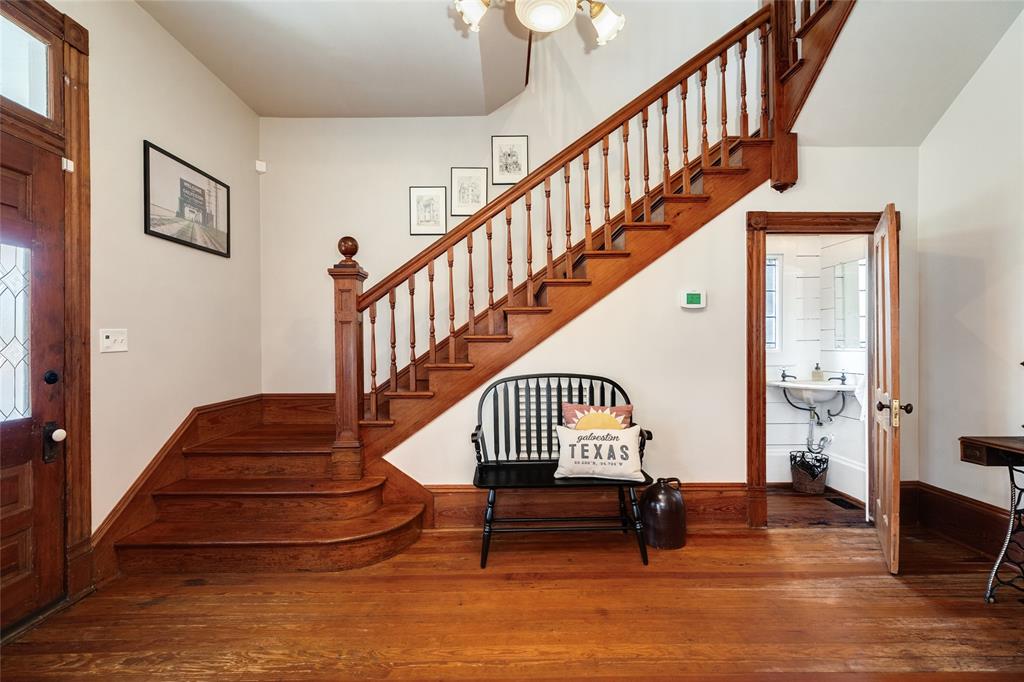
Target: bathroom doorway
[{"x": 823, "y": 359}]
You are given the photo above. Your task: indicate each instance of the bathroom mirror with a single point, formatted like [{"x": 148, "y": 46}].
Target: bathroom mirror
[{"x": 851, "y": 307}]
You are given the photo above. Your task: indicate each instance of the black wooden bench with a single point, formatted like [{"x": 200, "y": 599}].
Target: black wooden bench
[{"x": 517, "y": 447}]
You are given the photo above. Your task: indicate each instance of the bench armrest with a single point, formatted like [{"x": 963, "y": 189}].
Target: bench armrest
[
  {"x": 475, "y": 439},
  {"x": 645, "y": 435}
]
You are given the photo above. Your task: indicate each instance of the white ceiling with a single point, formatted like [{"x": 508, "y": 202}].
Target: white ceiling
[
  {"x": 310, "y": 58},
  {"x": 897, "y": 67}
]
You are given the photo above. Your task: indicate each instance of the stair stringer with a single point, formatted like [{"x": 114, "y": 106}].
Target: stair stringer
[{"x": 645, "y": 246}]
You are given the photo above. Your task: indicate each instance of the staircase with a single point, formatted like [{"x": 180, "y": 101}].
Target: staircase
[{"x": 308, "y": 497}]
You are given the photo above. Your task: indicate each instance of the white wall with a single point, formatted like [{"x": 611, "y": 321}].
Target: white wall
[
  {"x": 332, "y": 177},
  {"x": 971, "y": 242},
  {"x": 192, "y": 317},
  {"x": 685, "y": 370}
]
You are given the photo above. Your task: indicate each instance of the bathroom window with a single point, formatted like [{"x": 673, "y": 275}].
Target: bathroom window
[{"x": 772, "y": 268}]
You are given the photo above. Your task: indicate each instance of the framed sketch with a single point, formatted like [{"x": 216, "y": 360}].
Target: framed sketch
[
  {"x": 184, "y": 204},
  {"x": 469, "y": 190},
  {"x": 428, "y": 210},
  {"x": 509, "y": 160}
]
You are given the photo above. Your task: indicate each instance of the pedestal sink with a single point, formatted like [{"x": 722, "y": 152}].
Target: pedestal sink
[{"x": 812, "y": 393}]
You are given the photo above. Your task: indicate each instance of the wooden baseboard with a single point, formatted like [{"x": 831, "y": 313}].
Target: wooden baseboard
[
  {"x": 975, "y": 524},
  {"x": 136, "y": 508},
  {"x": 462, "y": 506}
]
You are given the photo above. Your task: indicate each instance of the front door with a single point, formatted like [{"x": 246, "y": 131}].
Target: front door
[
  {"x": 31, "y": 379},
  {"x": 886, "y": 410}
]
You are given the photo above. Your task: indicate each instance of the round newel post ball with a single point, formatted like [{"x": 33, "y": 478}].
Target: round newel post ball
[{"x": 348, "y": 246}]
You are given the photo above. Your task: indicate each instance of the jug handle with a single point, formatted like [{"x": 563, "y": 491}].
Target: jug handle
[{"x": 667, "y": 481}]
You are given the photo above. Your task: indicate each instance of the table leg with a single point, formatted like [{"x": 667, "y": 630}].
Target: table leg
[{"x": 1013, "y": 564}]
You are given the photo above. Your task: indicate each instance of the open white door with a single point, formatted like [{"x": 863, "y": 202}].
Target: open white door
[{"x": 884, "y": 429}]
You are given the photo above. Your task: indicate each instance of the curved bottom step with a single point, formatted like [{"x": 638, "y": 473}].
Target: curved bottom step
[{"x": 169, "y": 547}]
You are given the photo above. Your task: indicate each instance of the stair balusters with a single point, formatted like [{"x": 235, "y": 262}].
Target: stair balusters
[
  {"x": 647, "y": 167},
  {"x": 588, "y": 237},
  {"x": 744, "y": 119},
  {"x": 509, "y": 287},
  {"x": 762, "y": 39},
  {"x": 607, "y": 197},
  {"x": 433, "y": 336},
  {"x": 666, "y": 174},
  {"x": 490, "y": 282},
  {"x": 469, "y": 267},
  {"x": 568, "y": 225},
  {"x": 705, "y": 155},
  {"x": 412, "y": 332},
  {"x": 530, "y": 299},
  {"x": 547, "y": 228},
  {"x": 451, "y": 307},
  {"x": 685, "y": 140},
  {"x": 393, "y": 372},
  {"x": 627, "y": 206},
  {"x": 373, "y": 361},
  {"x": 724, "y": 144}
]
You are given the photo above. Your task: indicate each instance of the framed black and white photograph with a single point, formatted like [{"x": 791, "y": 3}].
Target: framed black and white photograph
[
  {"x": 469, "y": 190},
  {"x": 184, "y": 204},
  {"x": 428, "y": 210},
  {"x": 509, "y": 159}
]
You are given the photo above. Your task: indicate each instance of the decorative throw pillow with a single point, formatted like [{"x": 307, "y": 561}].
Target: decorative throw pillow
[
  {"x": 599, "y": 453},
  {"x": 585, "y": 417}
]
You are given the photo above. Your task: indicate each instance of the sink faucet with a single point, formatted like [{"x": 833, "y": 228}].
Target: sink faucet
[
  {"x": 787, "y": 376},
  {"x": 841, "y": 378}
]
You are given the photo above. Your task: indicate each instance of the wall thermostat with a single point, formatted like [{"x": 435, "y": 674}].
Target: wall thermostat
[{"x": 694, "y": 298}]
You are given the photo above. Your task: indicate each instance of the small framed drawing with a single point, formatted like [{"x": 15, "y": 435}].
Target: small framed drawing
[
  {"x": 469, "y": 190},
  {"x": 427, "y": 210},
  {"x": 509, "y": 158},
  {"x": 184, "y": 204}
]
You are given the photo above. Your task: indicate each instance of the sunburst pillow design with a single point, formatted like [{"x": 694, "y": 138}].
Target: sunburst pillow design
[{"x": 588, "y": 417}]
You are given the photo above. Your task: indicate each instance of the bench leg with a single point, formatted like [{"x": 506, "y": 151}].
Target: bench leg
[
  {"x": 638, "y": 524},
  {"x": 622, "y": 511},
  {"x": 488, "y": 520}
]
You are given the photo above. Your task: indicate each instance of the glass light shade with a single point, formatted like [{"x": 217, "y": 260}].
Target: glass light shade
[
  {"x": 606, "y": 22},
  {"x": 545, "y": 16},
  {"x": 472, "y": 11}
]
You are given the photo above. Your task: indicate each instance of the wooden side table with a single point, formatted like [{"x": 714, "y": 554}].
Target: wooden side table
[{"x": 1006, "y": 451}]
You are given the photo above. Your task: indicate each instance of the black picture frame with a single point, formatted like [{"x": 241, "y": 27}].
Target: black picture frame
[
  {"x": 444, "y": 211},
  {"x": 502, "y": 178},
  {"x": 208, "y": 236},
  {"x": 451, "y": 181}
]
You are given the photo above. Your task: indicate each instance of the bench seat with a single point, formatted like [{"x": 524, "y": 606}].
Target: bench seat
[{"x": 541, "y": 475}]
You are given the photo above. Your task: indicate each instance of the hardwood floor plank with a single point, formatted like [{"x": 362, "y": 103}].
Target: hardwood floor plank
[{"x": 782, "y": 604}]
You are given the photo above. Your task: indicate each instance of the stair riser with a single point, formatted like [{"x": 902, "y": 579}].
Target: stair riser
[
  {"x": 229, "y": 558},
  {"x": 258, "y": 508},
  {"x": 258, "y": 466}
]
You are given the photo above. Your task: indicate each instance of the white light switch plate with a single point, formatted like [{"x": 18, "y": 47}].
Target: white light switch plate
[{"x": 113, "y": 340}]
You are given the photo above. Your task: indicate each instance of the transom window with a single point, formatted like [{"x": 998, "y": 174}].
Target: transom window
[
  {"x": 24, "y": 68},
  {"x": 772, "y": 268}
]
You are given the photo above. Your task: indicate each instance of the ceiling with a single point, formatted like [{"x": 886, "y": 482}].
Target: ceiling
[
  {"x": 897, "y": 67},
  {"x": 310, "y": 58}
]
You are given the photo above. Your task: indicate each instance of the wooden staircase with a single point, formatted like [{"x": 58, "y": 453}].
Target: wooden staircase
[{"x": 322, "y": 497}]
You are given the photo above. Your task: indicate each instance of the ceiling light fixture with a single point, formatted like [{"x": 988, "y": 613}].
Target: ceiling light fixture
[{"x": 545, "y": 16}]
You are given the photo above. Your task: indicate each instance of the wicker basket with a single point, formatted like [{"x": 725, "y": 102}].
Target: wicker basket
[{"x": 809, "y": 471}]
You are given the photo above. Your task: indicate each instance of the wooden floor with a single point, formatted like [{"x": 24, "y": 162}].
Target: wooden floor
[
  {"x": 787, "y": 509},
  {"x": 732, "y": 603}
]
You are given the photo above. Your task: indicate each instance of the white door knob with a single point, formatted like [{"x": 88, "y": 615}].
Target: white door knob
[{"x": 59, "y": 435}]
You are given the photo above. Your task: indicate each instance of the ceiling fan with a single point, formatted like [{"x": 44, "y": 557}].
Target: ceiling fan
[{"x": 546, "y": 16}]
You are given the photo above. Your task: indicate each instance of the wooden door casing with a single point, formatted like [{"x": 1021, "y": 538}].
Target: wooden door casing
[
  {"x": 884, "y": 375},
  {"x": 32, "y": 516}
]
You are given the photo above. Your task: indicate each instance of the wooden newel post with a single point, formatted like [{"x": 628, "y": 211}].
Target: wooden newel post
[{"x": 347, "y": 451}]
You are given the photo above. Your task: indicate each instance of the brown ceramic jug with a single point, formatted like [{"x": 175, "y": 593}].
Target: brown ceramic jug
[{"x": 664, "y": 514}]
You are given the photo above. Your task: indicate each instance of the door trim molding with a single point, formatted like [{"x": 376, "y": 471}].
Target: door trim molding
[
  {"x": 67, "y": 133},
  {"x": 760, "y": 224}
]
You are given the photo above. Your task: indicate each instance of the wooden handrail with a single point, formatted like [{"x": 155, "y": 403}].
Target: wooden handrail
[{"x": 556, "y": 163}]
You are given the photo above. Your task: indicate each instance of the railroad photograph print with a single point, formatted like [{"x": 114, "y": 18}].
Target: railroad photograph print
[
  {"x": 427, "y": 210},
  {"x": 509, "y": 160},
  {"x": 469, "y": 190},
  {"x": 184, "y": 204}
]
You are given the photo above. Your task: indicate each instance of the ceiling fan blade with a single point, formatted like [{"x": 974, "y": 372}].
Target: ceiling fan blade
[{"x": 529, "y": 52}]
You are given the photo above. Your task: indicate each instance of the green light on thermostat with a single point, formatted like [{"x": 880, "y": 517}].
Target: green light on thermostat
[{"x": 692, "y": 299}]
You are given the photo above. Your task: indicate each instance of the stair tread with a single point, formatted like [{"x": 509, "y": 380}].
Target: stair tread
[
  {"x": 190, "y": 533},
  {"x": 269, "y": 486},
  {"x": 414, "y": 395},
  {"x": 496, "y": 338},
  {"x": 567, "y": 282},
  {"x": 611, "y": 253},
  {"x": 646, "y": 226},
  {"x": 527, "y": 310},
  {"x": 376, "y": 423},
  {"x": 445, "y": 366},
  {"x": 270, "y": 438},
  {"x": 686, "y": 198},
  {"x": 724, "y": 170}
]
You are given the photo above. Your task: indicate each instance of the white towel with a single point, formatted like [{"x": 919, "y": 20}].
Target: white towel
[{"x": 860, "y": 392}]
